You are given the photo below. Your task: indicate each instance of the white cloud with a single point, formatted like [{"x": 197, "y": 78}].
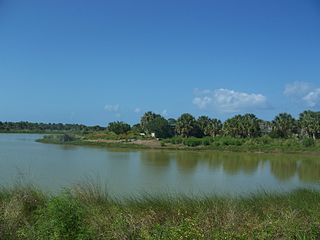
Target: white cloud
[
  {"x": 303, "y": 92},
  {"x": 137, "y": 110},
  {"x": 297, "y": 89},
  {"x": 226, "y": 100},
  {"x": 312, "y": 99},
  {"x": 202, "y": 102},
  {"x": 112, "y": 108}
]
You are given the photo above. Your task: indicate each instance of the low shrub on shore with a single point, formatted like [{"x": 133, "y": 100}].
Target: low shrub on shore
[
  {"x": 86, "y": 213},
  {"x": 58, "y": 138},
  {"x": 264, "y": 143}
]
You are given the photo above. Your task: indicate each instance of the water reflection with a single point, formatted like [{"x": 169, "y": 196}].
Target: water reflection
[
  {"x": 186, "y": 161},
  {"x": 309, "y": 171},
  {"x": 156, "y": 158},
  {"x": 129, "y": 172},
  {"x": 282, "y": 167}
]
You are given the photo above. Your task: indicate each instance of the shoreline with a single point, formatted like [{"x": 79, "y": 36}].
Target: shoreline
[{"x": 141, "y": 146}]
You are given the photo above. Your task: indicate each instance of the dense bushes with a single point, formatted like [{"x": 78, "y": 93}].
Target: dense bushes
[
  {"x": 259, "y": 143},
  {"x": 58, "y": 138},
  {"x": 62, "y": 218},
  {"x": 308, "y": 142}
]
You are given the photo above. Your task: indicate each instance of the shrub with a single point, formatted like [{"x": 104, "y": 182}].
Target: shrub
[
  {"x": 308, "y": 142},
  {"x": 119, "y": 127},
  {"x": 192, "y": 142},
  {"x": 265, "y": 139},
  {"x": 59, "y": 138},
  {"x": 177, "y": 140},
  {"x": 207, "y": 141},
  {"x": 62, "y": 218},
  {"x": 230, "y": 141}
]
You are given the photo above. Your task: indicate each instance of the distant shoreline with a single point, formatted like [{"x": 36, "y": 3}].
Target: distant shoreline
[{"x": 158, "y": 145}]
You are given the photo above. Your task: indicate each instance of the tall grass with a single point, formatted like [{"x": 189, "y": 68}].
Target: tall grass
[{"x": 87, "y": 212}]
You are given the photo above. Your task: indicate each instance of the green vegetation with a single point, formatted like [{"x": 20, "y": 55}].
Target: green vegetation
[
  {"x": 119, "y": 127},
  {"x": 28, "y": 127},
  {"x": 86, "y": 212},
  {"x": 259, "y": 144},
  {"x": 155, "y": 123},
  {"x": 239, "y": 133},
  {"x": 58, "y": 138}
]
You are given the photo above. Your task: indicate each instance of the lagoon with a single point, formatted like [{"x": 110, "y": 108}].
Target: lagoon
[{"x": 156, "y": 172}]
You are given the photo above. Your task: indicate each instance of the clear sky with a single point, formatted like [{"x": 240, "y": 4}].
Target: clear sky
[{"x": 97, "y": 61}]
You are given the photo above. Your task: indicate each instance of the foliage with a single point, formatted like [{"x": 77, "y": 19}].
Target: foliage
[
  {"x": 157, "y": 125},
  {"x": 284, "y": 125},
  {"x": 308, "y": 142},
  {"x": 70, "y": 216},
  {"x": 136, "y": 128},
  {"x": 247, "y": 125},
  {"x": 186, "y": 125},
  {"x": 119, "y": 127},
  {"x": 62, "y": 218},
  {"x": 58, "y": 138},
  {"x": 192, "y": 141},
  {"x": 46, "y": 127},
  {"x": 203, "y": 123},
  {"x": 146, "y": 119},
  {"x": 309, "y": 123}
]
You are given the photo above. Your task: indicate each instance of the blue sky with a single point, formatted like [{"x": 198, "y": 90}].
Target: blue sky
[{"x": 97, "y": 61}]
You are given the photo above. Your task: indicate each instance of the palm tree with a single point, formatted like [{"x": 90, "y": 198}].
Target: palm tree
[
  {"x": 186, "y": 125},
  {"x": 203, "y": 123},
  {"x": 146, "y": 119},
  {"x": 309, "y": 123},
  {"x": 283, "y": 125},
  {"x": 247, "y": 125},
  {"x": 214, "y": 128}
]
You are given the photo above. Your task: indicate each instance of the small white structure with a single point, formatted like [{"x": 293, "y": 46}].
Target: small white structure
[
  {"x": 153, "y": 135},
  {"x": 142, "y": 134}
]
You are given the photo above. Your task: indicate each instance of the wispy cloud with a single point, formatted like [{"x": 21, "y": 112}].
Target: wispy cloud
[
  {"x": 303, "y": 92},
  {"x": 137, "y": 110},
  {"x": 312, "y": 99},
  {"x": 297, "y": 89},
  {"x": 112, "y": 108},
  {"x": 228, "y": 101},
  {"x": 164, "y": 112}
]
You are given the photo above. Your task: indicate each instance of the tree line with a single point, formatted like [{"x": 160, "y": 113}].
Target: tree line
[
  {"x": 284, "y": 125},
  {"x": 46, "y": 127}
]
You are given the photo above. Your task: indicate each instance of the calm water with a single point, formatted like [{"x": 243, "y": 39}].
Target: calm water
[{"x": 131, "y": 172}]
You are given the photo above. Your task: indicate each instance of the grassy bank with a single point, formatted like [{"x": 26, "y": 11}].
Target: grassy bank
[
  {"x": 86, "y": 212},
  {"x": 262, "y": 144}
]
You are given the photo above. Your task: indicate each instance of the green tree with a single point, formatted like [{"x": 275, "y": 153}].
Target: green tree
[
  {"x": 146, "y": 119},
  {"x": 119, "y": 127},
  {"x": 137, "y": 128},
  {"x": 172, "y": 123},
  {"x": 247, "y": 125},
  {"x": 283, "y": 125},
  {"x": 160, "y": 126},
  {"x": 214, "y": 128},
  {"x": 186, "y": 125},
  {"x": 309, "y": 123},
  {"x": 203, "y": 123}
]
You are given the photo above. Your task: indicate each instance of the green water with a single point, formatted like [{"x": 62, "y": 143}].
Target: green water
[{"x": 133, "y": 172}]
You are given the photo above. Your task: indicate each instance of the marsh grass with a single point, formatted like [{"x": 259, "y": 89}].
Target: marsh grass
[{"x": 86, "y": 211}]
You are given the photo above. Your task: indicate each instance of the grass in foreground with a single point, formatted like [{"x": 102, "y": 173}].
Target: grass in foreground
[{"x": 86, "y": 212}]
